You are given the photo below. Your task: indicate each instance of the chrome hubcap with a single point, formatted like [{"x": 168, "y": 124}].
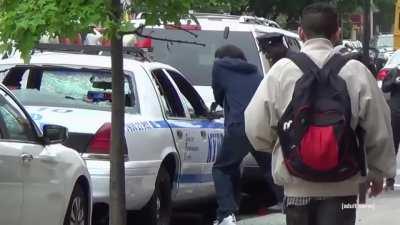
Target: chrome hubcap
[{"x": 77, "y": 214}]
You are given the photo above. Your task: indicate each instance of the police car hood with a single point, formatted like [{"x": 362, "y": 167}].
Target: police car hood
[{"x": 86, "y": 121}]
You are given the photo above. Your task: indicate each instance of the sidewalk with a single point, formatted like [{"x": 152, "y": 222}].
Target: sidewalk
[
  {"x": 384, "y": 210},
  {"x": 272, "y": 219}
]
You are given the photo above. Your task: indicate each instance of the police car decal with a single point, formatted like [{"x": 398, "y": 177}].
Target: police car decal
[{"x": 214, "y": 146}]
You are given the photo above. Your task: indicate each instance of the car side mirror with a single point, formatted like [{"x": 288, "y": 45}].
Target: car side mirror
[{"x": 54, "y": 134}]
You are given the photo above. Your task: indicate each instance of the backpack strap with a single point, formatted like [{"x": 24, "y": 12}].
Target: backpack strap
[
  {"x": 335, "y": 64},
  {"x": 304, "y": 62}
]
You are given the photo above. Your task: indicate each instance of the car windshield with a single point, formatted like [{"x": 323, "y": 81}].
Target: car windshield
[
  {"x": 64, "y": 87},
  {"x": 196, "y": 62},
  {"x": 385, "y": 41}
]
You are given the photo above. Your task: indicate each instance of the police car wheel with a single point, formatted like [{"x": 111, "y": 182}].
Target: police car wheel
[
  {"x": 158, "y": 210},
  {"x": 77, "y": 211}
]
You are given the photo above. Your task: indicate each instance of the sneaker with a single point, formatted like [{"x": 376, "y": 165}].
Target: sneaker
[{"x": 229, "y": 220}]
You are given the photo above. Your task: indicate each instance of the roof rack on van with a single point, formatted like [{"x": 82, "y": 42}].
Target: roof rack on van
[
  {"x": 134, "y": 52},
  {"x": 258, "y": 20},
  {"x": 216, "y": 15},
  {"x": 241, "y": 19}
]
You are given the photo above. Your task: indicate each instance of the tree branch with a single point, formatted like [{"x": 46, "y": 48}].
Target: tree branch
[
  {"x": 183, "y": 29},
  {"x": 138, "y": 32}
]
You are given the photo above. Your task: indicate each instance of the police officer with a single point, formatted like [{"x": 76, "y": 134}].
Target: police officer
[{"x": 272, "y": 45}]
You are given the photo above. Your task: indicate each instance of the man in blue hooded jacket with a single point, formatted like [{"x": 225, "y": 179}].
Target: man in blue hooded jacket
[{"x": 234, "y": 82}]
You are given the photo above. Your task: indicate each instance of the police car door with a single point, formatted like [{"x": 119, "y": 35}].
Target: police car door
[
  {"x": 205, "y": 135},
  {"x": 180, "y": 124},
  {"x": 11, "y": 180}
]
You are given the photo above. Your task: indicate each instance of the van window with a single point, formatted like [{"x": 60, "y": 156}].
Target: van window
[
  {"x": 196, "y": 61},
  {"x": 293, "y": 44},
  {"x": 169, "y": 97},
  {"x": 192, "y": 99}
]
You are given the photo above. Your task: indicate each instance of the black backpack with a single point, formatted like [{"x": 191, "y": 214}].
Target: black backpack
[{"x": 318, "y": 142}]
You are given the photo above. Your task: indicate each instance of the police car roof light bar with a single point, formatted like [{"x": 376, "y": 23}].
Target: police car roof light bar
[{"x": 92, "y": 49}]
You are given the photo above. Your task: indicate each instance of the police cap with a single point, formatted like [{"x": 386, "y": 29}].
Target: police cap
[{"x": 269, "y": 39}]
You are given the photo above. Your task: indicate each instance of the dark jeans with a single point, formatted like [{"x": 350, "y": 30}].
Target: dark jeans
[
  {"x": 226, "y": 169},
  {"x": 331, "y": 211},
  {"x": 396, "y": 131},
  {"x": 396, "y": 138}
]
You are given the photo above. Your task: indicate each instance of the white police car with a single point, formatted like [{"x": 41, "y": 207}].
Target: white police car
[
  {"x": 41, "y": 181},
  {"x": 171, "y": 138}
]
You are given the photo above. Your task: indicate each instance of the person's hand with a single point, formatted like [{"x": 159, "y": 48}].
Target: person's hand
[{"x": 375, "y": 187}]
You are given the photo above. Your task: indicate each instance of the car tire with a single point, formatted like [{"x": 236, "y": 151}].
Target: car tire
[
  {"x": 77, "y": 211},
  {"x": 159, "y": 209}
]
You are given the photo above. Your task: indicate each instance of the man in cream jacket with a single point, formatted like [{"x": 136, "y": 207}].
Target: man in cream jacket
[{"x": 311, "y": 203}]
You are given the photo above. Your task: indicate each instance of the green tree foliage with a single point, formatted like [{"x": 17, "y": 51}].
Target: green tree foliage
[
  {"x": 23, "y": 22},
  {"x": 385, "y": 15},
  {"x": 272, "y": 8},
  {"x": 292, "y": 9},
  {"x": 216, "y": 6}
]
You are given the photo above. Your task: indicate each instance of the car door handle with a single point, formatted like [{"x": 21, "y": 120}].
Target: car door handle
[
  {"x": 26, "y": 158},
  {"x": 47, "y": 159},
  {"x": 179, "y": 133},
  {"x": 203, "y": 134}
]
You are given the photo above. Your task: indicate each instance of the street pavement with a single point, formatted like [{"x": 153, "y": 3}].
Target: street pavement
[{"x": 382, "y": 210}]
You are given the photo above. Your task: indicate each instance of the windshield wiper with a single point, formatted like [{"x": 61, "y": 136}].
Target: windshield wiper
[{"x": 70, "y": 97}]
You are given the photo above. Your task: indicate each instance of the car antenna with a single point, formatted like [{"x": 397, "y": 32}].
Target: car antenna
[{"x": 139, "y": 32}]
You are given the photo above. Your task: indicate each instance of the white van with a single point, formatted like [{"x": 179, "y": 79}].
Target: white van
[{"x": 213, "y": 31}]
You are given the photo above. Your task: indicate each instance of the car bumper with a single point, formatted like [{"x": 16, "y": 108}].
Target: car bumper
[{"x": 140, "y": 178}]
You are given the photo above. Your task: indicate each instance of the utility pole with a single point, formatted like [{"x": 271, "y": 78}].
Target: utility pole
[
  {"x": 372, "y": 18},
  {"x": 117, "y": 169},
  {"x": 363, "y": 188},
  {"x": 367, "y": 30}
]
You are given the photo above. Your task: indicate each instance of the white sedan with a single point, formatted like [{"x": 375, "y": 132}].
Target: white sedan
[{"x": 41, "y": 181}]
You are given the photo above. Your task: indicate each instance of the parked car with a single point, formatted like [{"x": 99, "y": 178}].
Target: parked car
[
  {"x": 392, "y": 63},
  {"x": 196, "y": 61},
  {"x": 384, "y": 43},
  {"x": 41, "y": 181},
  {"x": 354, "y": 45},
  {"x": 171, "y": 138}
]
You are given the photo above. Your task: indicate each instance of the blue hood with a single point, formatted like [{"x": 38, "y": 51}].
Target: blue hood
[
  {"x": 234, "y": 84},
  {"x": 237, "y": 65}
]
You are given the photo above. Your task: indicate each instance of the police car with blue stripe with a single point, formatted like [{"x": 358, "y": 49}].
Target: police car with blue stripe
[{"x": 172, "y": 139}]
